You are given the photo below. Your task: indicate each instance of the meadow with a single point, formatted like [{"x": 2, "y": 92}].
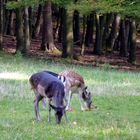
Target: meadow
[{"x": 115, "y": 93}]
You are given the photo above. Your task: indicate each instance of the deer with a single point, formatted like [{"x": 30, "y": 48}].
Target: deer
[
  {"x": 45, "y": 85},
  {"x": 74, "y": 83}
]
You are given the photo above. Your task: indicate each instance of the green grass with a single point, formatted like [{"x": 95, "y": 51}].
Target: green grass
[{"x": 116, "y": 95}]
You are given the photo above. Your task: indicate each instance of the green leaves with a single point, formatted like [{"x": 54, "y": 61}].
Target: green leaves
[
  {"x": 64, "y": 3},
  {"x": 22, "y": 3},
  {"x": 127, "y": 8},
  {"x": 14, "y": 4}
]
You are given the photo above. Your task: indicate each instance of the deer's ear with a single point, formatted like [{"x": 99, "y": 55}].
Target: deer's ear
[
  {"x": 86, "y": 88},
  {"x": 52, "y": 106},
  {"x": 89, "y": 94},
  {"x": 83, "y": 96},
  {"x": 62, "y": 78},
  {"x": 64, "y": 107}
]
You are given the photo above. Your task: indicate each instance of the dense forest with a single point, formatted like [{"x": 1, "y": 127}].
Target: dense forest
[{"x": 101, "y": 26}]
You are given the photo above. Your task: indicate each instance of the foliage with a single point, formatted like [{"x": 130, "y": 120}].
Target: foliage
[
  {"x": 63, "y": 3},
  {"x": 127, "y": 8},
  {"x": 22, "y": 3},
  {"x": 131, "y": 9}
]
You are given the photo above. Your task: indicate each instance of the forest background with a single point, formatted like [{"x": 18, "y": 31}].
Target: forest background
[{"x": 90, "y": 32}]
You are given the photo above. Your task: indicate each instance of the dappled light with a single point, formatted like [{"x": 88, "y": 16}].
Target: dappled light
[{"x": 13, "y": 75}]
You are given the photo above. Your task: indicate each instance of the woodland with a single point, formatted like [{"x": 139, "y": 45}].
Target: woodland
[{"x": 85, "y": 31}]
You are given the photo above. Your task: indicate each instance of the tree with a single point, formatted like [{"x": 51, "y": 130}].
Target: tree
[
  {"x": 69, "y": 27},
  {"x": 38, "y": 22},
  {"x": 63, "y": 32},
  {"x": 22, "y": 25},
  {"x": 113, "y": 26},
  {"x": 99, "y": 34},
  {"x": 123, "y": 39},
  {"x": 49, "y": 26},
  {"x": 1, "y": 23},
  {"x": 27, "y": 40},
  {"x": 114, "y": 32},
  {"x": 20, "y": 47},
  {"x": 48, "y": 43},
  {"x": 76, "y": 28},
  {"x": 89, "y": 30},
  {"x": 132, "y": 39}
]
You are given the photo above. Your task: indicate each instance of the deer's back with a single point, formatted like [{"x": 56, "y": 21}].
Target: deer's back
[
  {"x": 73, "y": 79},
  {"x": 44, "y": 79}
]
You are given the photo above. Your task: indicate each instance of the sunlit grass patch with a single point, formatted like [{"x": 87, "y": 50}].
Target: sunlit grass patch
[{"x": 13, "y": 75}]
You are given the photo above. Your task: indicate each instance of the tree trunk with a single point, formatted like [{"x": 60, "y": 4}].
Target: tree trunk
[
  {"x": 44, "y": 28},
  {"x": 49, "y": 31},
  {"x": 127, "y": 28},
  {"x": 123, "y": 40},
  {"x": 50, "y": 48},
  {"x": 83, "y": 36},
  {"x": 69, "y": 27},
  {"x": 6, "y": 21},
  {"x": 132, "y": 38},
  {"x": 1, "y": 24},
  {"x": 60, "y": 34},
  {"x": 27, "y": 30},
  {"x": 109, "y": 20},
  {"x": 30, "y": 15},
  {"x": 57, "y": 17},
  {"x": 89, "y": 30},
  {"x": 37, "y": 26},
  {"x": 19, "y": 32},
  {"x": 97, "y": 39},
  {"x": 76, "y": 28},
  {"x": 63, "y": 33},
  {"x": 114, "y": 32},
  {"x": 102, "y": 24},
  {"x": 12, "y": 24},
  {"x": 99, "y": 34},
  {"x": 10, "y": 27}
]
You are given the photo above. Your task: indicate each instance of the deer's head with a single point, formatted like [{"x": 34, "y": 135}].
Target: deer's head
[
  {"x": 59, "y": 111},
  {"x": 87, "y": 98}
]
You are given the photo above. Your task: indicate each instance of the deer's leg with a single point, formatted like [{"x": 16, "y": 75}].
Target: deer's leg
[
  {"x": 81, "y": 103},
  {"x": 43, "y": 103},
  {"x": 36, "y": 110},
  {"x": 65, "y": 99},
  {"x": 49, "y": 112},
  {"x": 69, "y": 99},
  {"x": 66, "y": 118}
]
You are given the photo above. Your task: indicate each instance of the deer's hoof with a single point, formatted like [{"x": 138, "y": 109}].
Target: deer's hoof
[
  {"x": 69, "y": 109},
  {"x": 86, "y": 109}
]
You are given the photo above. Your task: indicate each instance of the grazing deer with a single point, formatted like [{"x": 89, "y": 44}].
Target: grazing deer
[
  {"x": 75, "y": 83},
  {"x": 47, "y": 85},
  {"x": 62, "y": 78}
]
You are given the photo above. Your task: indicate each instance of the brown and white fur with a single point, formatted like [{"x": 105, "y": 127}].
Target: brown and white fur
[{"x": 74, "y": 83}]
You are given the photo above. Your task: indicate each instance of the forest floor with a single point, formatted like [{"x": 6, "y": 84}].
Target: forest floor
[{"x": 110, "y": 60}]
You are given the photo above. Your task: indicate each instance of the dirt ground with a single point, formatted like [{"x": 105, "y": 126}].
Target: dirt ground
[{"x": 112, "y": 60}]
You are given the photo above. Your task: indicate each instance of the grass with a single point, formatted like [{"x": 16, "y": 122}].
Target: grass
[{"x": 116, "y": 95}]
